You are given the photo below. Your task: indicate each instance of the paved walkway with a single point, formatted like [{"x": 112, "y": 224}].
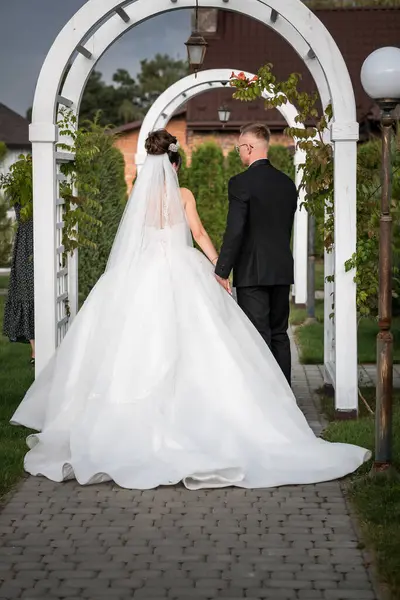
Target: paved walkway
[
  {"x": 63, "y": 541},
  {"x": 366, "y": 375}
]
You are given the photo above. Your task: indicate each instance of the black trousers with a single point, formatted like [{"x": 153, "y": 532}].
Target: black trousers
[{"x": 267, "y": 307}]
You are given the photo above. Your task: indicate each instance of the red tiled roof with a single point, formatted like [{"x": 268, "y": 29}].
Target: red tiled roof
[{"x": 245, "y": 44}]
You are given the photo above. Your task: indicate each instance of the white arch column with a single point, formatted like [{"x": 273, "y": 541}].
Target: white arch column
[
  {"x": 300, "y": 237},
  {"x": 79, "y": 46},
  {"x": 43, "y": 137},
  {"x": 344, "y": 137}
]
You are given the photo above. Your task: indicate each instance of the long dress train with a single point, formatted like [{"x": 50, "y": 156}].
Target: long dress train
[{"x": 162, "y": 378}]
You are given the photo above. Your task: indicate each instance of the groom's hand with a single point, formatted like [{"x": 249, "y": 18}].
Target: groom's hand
[{"x": 225, "y": 284}]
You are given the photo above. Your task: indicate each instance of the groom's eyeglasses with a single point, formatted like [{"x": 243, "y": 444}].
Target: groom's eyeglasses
[{"x": 237, "y": 148}]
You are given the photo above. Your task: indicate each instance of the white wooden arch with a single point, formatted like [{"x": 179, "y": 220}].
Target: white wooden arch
[
  {"x": 188, "y": 87},
  {"x": 79, "y": 46}
]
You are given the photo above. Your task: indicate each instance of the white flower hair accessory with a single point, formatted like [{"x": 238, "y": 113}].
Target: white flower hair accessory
[{"x": 173, "y": 147}]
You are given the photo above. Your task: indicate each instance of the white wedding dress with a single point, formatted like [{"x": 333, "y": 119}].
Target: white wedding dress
[{"x": 162, "y": 378}]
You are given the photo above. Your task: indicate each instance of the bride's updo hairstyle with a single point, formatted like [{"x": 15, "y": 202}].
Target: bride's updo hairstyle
[{"x": 162, "y": 142}]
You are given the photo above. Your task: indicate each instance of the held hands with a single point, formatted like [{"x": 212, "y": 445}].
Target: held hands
[{"x": 224, "y": 282}]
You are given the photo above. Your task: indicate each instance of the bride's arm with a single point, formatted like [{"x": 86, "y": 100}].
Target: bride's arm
[{"x": 200, "y": 235}]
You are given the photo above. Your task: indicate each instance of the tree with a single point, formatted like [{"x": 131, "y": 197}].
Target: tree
[
  {"x": 184, "y": 171},
  {"x": 282, "y": 159},
  {"x": 17, "y": 185},
  {"x": 6, "y": 231},
  {"x": 97, "y": 96},
  {"x": 128, "y": 99},
  {"x": 128, "y": 94},
  {"x": 157, "y": 75},
  {"x": 3, "y": 151},
  {"x": 208, "y": 183},
  {"x": 113, "y": 102},
  {"x": 234, "y": 165},
  {"x": 100, "y": 177}
]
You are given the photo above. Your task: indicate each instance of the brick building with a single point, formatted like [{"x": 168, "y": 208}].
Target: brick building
[{"x": 238, "y": 42}]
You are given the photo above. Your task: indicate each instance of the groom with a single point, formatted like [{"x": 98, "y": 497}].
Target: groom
[{"x": 262, "y": 205}]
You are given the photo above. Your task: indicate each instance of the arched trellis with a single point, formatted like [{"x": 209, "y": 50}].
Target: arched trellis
[
  {"x": 177, "y": 95},
  {"x": 79, "y": 46}
]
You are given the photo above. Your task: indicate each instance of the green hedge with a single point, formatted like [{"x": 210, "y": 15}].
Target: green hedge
[
  {"x": 207, "y": 181},
  {"x": 233, "y": 165},
  {"x": 3, "y": 151},
  {"x": 6, "y": 235},
  {"x": 282, "y": 158},
  {"x": 184, "y": 170},
  {"x": 111, "y": 194},
  {"x": 369, "y": 161}
]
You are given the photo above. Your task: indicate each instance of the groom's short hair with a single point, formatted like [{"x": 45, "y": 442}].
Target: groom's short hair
[{"x": 259, "y": 130}]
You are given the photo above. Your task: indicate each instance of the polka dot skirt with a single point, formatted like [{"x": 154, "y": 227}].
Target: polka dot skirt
[{"x": 19, "y": 309}]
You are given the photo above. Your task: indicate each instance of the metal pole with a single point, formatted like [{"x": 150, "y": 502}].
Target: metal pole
[
  {"x": 311, "y": 270},
  {"x": 384, "y": 341}
]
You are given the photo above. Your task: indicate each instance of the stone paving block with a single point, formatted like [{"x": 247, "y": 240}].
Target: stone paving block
[
  {"x": 113, "y": 593},
  {"x": 150, "y": 593},
  {"x": 274, "y": 594},
  {"x": 194, "y": 595},
  {"x": 34, "y": 594},
  {"x": 348, "y": 594},
  {"x": 10, "y": 589},
  {"x": 65, "y": 541}
]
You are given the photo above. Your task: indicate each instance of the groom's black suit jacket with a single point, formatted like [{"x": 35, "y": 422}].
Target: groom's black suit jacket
[{"x": 256, "y": 245}]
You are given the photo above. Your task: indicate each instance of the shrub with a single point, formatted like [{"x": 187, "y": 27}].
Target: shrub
[
  {"x": 282, "y": 158},
  {"x": 109, "y": 199},
  {"x": 233, "y": 165},
  {"x": 6, "y": 235},
  {"x": 184, "y": 170},
  {"x": 207, "y": 181},
  {"x": 3, "y": 151}
]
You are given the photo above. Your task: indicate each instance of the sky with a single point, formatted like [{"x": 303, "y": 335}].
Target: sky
[{"x": 29, "y": 27}]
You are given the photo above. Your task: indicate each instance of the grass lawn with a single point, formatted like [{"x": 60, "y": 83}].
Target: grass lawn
[
  {"x": 310, "y": 338},
  {"x": 16, "y": 374},
  {"x": 4, "y": 282},
  {"x": 298, "y": 315},
  {"x": 319, "y": 275},
  {"x": 376, "y": 500}
]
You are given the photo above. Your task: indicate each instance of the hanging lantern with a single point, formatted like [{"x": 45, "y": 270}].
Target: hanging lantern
[
  {"x": 196, "y": 49},
  {"x": 224, "y": 114},
  {"x": 196, "y": 45}
]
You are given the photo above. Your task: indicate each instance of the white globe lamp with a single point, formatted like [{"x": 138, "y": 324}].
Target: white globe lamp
[{"x": 380, "y": 76}]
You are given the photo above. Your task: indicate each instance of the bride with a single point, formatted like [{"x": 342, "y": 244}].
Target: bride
[{"x": 161, "y": 377}]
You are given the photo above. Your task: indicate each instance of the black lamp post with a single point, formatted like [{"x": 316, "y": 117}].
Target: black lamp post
[{"x": 380, "y": 78}]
